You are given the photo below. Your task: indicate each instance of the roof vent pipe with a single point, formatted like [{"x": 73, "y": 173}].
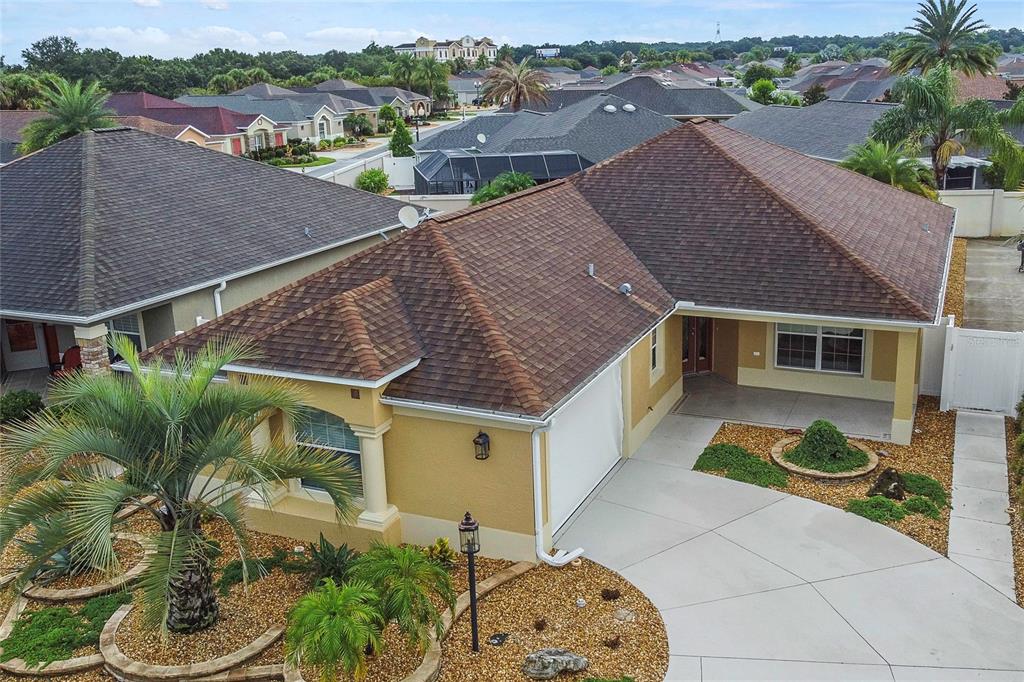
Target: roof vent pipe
[
  {"x": 610, "y": 108},
  {"x": 626, "y": 288},
  {"x": 628, "y": 107},
  {"x": 591, "y": 271}
]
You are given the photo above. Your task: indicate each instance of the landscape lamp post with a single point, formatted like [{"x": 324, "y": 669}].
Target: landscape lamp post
[{"x": 469, "y": 543}]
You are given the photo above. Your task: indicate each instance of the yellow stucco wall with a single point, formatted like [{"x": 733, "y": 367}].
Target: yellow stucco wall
[
  {"x": 883, "y": 355},
  {"x": 726, "y": 349},
  {"x": 190, "y": 135},
  {"x": 431, "y": 471},
  {"x": 751, "y": 342},
  {"x": 646, "y": 390}
]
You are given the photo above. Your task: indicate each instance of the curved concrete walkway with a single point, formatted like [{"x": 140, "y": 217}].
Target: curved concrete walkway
[{"x": 755, "y": 584}]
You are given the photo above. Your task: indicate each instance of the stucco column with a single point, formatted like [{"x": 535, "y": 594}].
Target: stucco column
[
  {"x": 906, "y": 377},
  {"x": 93, "y": 342},
  {"x": 378, "y": 512}
]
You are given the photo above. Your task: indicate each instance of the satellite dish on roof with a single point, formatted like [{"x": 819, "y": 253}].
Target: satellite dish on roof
[
  {"x": 481, "y": 138},
  {"x": 409, "y": 216}
]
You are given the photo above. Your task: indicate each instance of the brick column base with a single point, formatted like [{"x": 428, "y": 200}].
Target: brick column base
[{"x": 93, "y": 342}]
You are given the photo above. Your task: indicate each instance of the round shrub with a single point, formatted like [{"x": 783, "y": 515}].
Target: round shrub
[
  {"x": 372, "y": 180},
  {"x": 921, "y": 505},
  {"x": 16, "y": 406},
  {"x": 338, "y": 141},
  {"x": 824, "y": 448},
  {"x": 877, "y": 508}
]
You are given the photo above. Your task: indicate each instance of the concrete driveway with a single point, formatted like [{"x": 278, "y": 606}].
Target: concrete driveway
[
  {"x": 754, "y": 584},
  {"x": 995, "y": 289}
]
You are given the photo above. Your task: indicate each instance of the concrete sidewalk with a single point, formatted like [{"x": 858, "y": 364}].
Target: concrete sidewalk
[{"x": 979, "y": 531}]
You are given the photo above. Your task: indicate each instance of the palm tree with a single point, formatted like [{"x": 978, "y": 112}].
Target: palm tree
[
  {"x": 946, "y": 32},
  {"x": 930, "y": 116},
  {"x": 333, "y": 626},
  {"x": 518, "y": 83},
  {"x": 20, "y": 91},
  {"x": 222, "y": 84},
  {"x": 403, "y": 69},
  {"x": 180, "y": 438},
  {"x": 72, "y": 108},
  {"x": 405, "y": 579},
  {"x": 431, "y": 73},
  {"x": 887, "y": 163}
]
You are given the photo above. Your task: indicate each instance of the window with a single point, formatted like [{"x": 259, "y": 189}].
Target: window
[
  {"x": 827, "y": 349},
  {"x": 21, "y": 336},
  {"x": 126, "y": 326},
  {"x": 961, "y": 177},
  {"x": 654, "y": 349},
  {"x": 320, "y": 429}
]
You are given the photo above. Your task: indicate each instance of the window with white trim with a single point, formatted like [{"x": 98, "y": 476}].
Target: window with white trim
[
  {"x": 823, "y": 349},
  {"x": 324, "y": 430},
  {"x": 654, "y": 349},
  {"x": 128, "y": 326}
]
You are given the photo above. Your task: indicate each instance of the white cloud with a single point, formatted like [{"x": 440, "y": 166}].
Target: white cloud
[
  {"x": 147, "y": 3},
  {"x": 356, "y": 38},
  {"x": 220, "y": 36},
  {"x": 129, "y": 40},
  {"x": 215, "y": 4},
  {"x": 275, "y": 38}
]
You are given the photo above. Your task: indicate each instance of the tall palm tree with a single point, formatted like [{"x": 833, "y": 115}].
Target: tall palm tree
[
  {"x": 930, "y": 116},
  {"x": 519, "y": 83},
  {"x": 887, "y": 163},
  {"x": 403, "y": 69},
  {"x": 333, "y": 626},
  {"x": 946, "y": 31},
  {"x": 405, "y": 579},
  {"x": 180, "y": 438},
  {"x": 72, "y": 108},
  {"x": 20, "y": 91},
  {"x": 431, "y": 74}
]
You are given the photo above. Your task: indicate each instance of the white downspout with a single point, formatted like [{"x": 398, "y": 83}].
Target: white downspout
[
  {"x": 561, "y": 557},
  {"x": 217, "y": 306}
]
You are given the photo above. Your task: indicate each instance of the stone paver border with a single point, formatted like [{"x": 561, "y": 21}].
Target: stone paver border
[
  {"x": 48, "y": 594},
  {"x": 17, "y": 666},
  {"x": 123, "y": 668},
  {"x": 824, "y": 476}
]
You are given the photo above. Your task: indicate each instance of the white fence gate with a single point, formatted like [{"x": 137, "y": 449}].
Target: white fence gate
[{"x": 982, "y": 370}]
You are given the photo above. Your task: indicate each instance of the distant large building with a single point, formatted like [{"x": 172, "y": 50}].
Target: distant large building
[{"x": 467, "y": 47}]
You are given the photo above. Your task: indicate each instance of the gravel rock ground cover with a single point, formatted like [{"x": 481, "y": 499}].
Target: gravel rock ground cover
[
  {"x": 1016, "y": 508},
  {"x": 550, "y": 594},
  {"x": 930, "y": 452},
  {"x": 957, "y": 283}
]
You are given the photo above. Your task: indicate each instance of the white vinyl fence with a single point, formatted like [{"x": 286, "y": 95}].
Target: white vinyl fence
[
  {"x": 982, "y": 370},
  {"x": 399, "y": 170}
]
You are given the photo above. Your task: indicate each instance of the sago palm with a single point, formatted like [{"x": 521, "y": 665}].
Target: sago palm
[
  {"x": 930, "y": 116},
  {"x": 431, "y": 74},
  {"x": 334, "y": 627},
  {"x": 405, "y": 579},
  {"x": 888, "y": 163},
  {"x": 73, "y": 109},
  {"x": 403, "y": 69},
  {"x": 183, "y": 438},
  {"x": 519, "y": 83},
  {"x": 946, "y": 31}
]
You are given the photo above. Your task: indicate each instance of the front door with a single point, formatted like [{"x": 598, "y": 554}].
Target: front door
[{"x": 698, "y": 340}]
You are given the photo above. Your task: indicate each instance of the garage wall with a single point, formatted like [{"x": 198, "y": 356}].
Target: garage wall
[{"x": 648, "y": 398}]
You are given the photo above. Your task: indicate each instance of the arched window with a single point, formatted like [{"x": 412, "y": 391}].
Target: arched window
[{"x": 325, "y": 430}]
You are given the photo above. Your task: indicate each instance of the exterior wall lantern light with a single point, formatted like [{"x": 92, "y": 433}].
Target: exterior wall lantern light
[
  {"x": 469, "y": 543},
  {"x": 482, "y": 445}
]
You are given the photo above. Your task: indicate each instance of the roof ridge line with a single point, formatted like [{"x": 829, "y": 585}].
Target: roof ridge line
[
  {"x": 317, "y": 307},
  {"x": 524, "y": 388},
  {"x": 87, "y": 245},
  {"x": 866, "y": 268},
  {"x": 359, "y": 335},
  {"x": 470, "y": 210}
]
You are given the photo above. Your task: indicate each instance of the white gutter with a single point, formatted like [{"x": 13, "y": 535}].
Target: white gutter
[
  {"x": 561, "y": 557},
  {"x": 217, "y": 306},
  {"x": 945, "y": 271},
  {"x": 160, "y": 298},
  {"x": 347, "y": 381},
  {"x": 463, "y": 411},
  {"x": 687, "y": 307}
]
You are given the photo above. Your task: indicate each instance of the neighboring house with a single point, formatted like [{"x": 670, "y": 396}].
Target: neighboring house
[
  {"x": 227, "y": 131},
  {"x": 308, "y": 116},
  {"x": 502, "y": 359},
  {"x": 406, "y": 102},
  {"x": 12, "y": 122},
  {"x": 828, "y": 129},
  {"x": 547, "y": 52},
  {"x": 705, "y": 72},
  {"x": 149, "y": 236},
  {"x": 467, "y": 87},
  {"x": 680, "y": 103},
  {"x": 596, "y": 128},
  {"x": 467, "y": 47}
]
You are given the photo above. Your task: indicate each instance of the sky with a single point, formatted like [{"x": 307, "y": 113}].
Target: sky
[{"x": 181, "y": 28}]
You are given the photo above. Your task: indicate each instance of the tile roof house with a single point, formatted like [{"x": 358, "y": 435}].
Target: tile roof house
[
  {"x": 559, "y": 322},
  {"x": 228, "y": 131},
  {"x": 150, "y": 235},
  {"x": 405, "y": 102},
  {"x": 310, "y": 117}
]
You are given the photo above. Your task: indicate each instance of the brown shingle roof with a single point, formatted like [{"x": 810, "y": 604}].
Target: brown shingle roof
[{"x": 496, "y": 304}]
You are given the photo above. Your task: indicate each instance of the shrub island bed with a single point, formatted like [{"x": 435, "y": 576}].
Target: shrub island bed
[{"x": 743, "y": 452}]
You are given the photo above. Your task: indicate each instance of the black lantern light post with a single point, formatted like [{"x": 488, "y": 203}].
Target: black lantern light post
[
  {"x": 482, "y": 446},
  {"x": 469, "y": 543}
]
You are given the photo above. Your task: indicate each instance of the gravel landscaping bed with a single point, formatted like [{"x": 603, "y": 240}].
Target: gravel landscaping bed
[
  {"x": 128, "y": 553},
  {"x": 957, "y": 282},
  {"x": 930, "y": 452},
  {"x": 550, "y": 594},
  {"x": 1016, "y": 506}
]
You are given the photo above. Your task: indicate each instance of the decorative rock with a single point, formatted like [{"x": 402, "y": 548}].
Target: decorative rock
[
  {"x": 581, "y": 602},
  {"x": 883, "y": 453},
  {"x": 889, "y": 484},
  {"x": 497, "y": 639},
  {"x": 794, "y": 432},
  {"x": 624, "y": 615},
  {"x": 546, "y": 664}
]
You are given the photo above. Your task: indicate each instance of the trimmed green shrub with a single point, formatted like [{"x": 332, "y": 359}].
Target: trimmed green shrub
[
  {"x": 824, "y": 448},
  {"x": 877, "y": 508},
  {"x": 926, "y": 486},
  {"x": 921, "y": 505},
  {"x": 16, "y": 406},
  {"x": 739, "y": 464},
  {"x": 53, "y": 633},
  {"x": 372, "y": 180},
  {"x": 338, "y": 142},
  {"x": 509, "y": 182}
]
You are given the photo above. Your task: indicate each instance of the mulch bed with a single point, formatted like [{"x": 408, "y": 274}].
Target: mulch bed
[
  {"x": 1016, "y": 509},
  {"x": 550, "y": 593},
  {"x": 957, "y": 282},
  {"x": 930, "y": 452}
]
